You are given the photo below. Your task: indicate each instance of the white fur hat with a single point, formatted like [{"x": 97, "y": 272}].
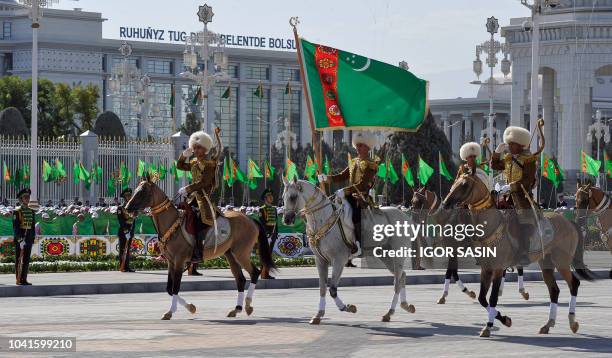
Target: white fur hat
[
  {"x": 201, "y": 138},
  {"x": 469, "y": 149},
  {"x": 517, "y": 135},
  {"x": 363, "y": 137}
]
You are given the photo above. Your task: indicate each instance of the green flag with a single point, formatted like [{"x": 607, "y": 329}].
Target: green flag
[
  {"x": 228, "y": 92},
  {"x": 197, "y": 96},
  {"x": 17, "y": 178},
  {"x": 287, "y": 88},
  {"x": 269, "y": 170},
  {"x": 326, "y": 166},
  {"x": 589, "y": 165},
  {"x": 387, "y": 172},
  {"x": 348, "y": 90},
  {"x": 406, "y": 172},
  {"x": 61, "y": 171},
  {"x": 311, "y": 168},
  {"x": 237, "y": 173},
  {"x": 291, "y": 170},
  {"x": 608, "y": 164},
  {"x": 6, "y": 175},
  {"x": 46, "y": 171},
  {"x": 125, "y": 175},
  {"x": 425, "y": 171},
  {"x": 259, "y": 92},
  {"x": 174, "y": 171},
  {"x": 162, "y": 171},
  {"x": 442, "y": 168},
  {"x": 226, "y": 172},
  {"x": 75, "y": 173},
  {"x": 141, "y": 168},
  {"x": 110, "y": 187},
  {"x": 253, "y": 170},
  {"x": 25, "y": 173}
]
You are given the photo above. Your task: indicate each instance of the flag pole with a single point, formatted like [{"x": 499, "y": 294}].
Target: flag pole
[
  {"x": 260, "y": 89},
  {"x": 294, "y": 21},
  {"x": 440, "y": 174}
]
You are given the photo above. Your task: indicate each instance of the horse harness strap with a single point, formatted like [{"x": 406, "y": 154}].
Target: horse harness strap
[
  {"x": 494, "y": 237},
  {"x": 161, "y": 207},
  {"x": 603, "y": 205},
  {"x": 156, "y": 210},
  {"x": 484, "y": 203}
]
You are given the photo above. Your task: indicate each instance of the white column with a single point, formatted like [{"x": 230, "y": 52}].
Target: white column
[
  {"x": 34, "y": 126},
  {"x": 535, "y": 70},
  {"x": 548, "y": 107},
  {"x": 518, "y": 94},
  {"x": 468, "y": 125}
]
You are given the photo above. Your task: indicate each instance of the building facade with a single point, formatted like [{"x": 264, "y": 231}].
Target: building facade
[{"x": 72, "y": 50}]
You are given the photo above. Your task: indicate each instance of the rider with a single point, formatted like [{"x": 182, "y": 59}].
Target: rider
[
  {"x": 360, "y": 173},
  {"x": 203, "y": 169},
  {"x": 519, "y": 166}
]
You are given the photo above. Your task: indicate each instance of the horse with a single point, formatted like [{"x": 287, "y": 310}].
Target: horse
[
  {"x": 560, "y": 253},
  {"x": 177, "y": 248},
  {"x": 330, "y": 249},
  {"x": 425, "y": 202},
  {"x": 591, "y": 198}
]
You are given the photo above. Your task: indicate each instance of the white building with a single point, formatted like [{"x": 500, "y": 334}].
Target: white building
[{"x": 72, "y": 50}]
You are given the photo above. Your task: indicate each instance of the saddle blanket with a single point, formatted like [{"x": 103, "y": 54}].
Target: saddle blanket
[
  {"x": 223, "y": 228},
  {"x": 548, "y": 233}
]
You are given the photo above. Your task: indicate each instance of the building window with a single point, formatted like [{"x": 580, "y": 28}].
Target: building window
[
  {"x": 132, "y": 61},
  {"x": 226, "y": 117},
  {"x": 256, "y": 125},
  {"x": 291, "y": 103},
  {"x": 255, "y": 72},
  {"x": 6, "y": 32},
  {"x": 288, "y": 74},
  {"x": 159, "y": 66},
  {"x": 233, "y": 70}
]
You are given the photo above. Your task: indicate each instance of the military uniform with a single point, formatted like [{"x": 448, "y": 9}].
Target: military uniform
[
  {"x": 24, "y": 222},
  {"x": 125, "y": 233},
  {"x": 520, "y": 174},
  {"x": 268, "y": 217}
]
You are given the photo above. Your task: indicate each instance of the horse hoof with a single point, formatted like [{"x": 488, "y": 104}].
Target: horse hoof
[
  {"x": 525, "y": 295},
  {"x": 472, "y": 295},
  {"x": 507, "y": 321},
  {"x": 191, "y": 308},
  {"x": 167, "y": 316},
  {"x": 232, "y": 313},
  {"x": 248, "y": 310},
  {"x": 486, "y": 332},
  {"x": 315, "y": 320},
  {"x": 409, "y": 308},
  {"x": 441, "y": 300},
  {"x": 544, "y": 330},
  {"x": 386, "y": 318},
  {"x": 351, "y": 308},
  {"x": 574, "y": 327}
]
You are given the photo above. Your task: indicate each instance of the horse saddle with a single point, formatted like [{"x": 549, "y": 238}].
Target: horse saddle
[
  {"x": 536, "y": 244},
  {"x": 190, "y": 224},
  {"x": 369, "y": 218}
]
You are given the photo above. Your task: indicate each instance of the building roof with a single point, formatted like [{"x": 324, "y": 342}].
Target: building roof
[{"x": 502, "y": 91}]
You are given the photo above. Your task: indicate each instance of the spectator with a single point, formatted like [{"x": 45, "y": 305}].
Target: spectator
[
  {"x": 115, "y": 202},
  {"x": 101, "y": 203},
  {"x": 561, "y": 203},
  {"x": 62, "y": 203},
  {"x": 87, "y": 203},
  {"x": 76, "y": 201},
  {"x": 49, "y": 204}
]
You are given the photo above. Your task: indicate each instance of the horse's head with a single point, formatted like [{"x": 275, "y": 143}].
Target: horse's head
[
  {"x": 294, "y": 194},
  {"x": 423, "y": 199},
  {"x": 146, "y": 195},
  {"x": 587, "y": 196},
  {"x": 466, "y": 190}
]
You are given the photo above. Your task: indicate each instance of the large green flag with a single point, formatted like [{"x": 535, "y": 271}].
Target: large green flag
[
  {"x": 442, "y": 168},
  {"x": 425, "y": 171},
  {"x": 589, "y": 165},
  {"x": 549, "y": 170},
  {"x": 291, "y": 170},
  {"x": 387, "y": 172},
  {"x": 83, "y": 173},
  {"x": 174, "y": 171},
  {"x": 236, "y": 173},
  {"x": 96, "y": 173},
  {"x": 348, "y": 90},
  {"x": 406, "y": 172},
  {"x": 126, "y": 176}
]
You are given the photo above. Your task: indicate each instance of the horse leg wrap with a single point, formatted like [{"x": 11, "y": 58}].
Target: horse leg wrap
[
  {"x": 492, "y": 314},
  {"x": 446, "y": 284},
  {"x": 521, "y": 284},
  {"x": 181, "y": 301},
  {"x": 240, "y": 299},
  {"x": 322, "y": 303},
  {"x": 251, "y": 290},
  {"x": 394, "y": 302},
  {"x": 461, "y": 286},
  {"x": 572, "y": 305},
  {"x": 341, "y": 306},
  {"x": 552, "y": 312},
  {"x": 403, "y": 294},
  {"x": 501, "y": 285},
  {"x": 173, "y": 303}
]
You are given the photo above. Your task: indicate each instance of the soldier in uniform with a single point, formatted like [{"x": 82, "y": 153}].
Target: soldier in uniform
[
  {"x": 203, "y": 169},
  {"x": 267, "y": 213},
  {"x": 127, "y": 225},
  {"x": 360, "y": 173},
  {"x": 519, "y": 167},
  {"x": 24, "y": 221}
]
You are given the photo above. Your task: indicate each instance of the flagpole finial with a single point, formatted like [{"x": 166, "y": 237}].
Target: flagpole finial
[{"x": 294, "y": 21}]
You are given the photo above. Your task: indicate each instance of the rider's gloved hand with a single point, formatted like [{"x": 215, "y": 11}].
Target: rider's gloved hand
[
  {"x": 322, "y": 178},
  {"x": 500, "y": 148},
  {"x": 183, "y": 191},
  {"x": 187, "y": 153},
  {"x": 340, "y": 194}
]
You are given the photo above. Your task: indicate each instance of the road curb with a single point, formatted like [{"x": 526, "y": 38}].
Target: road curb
[{"x": 229, "y": 284}]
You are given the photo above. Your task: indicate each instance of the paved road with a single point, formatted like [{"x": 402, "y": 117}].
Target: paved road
[{"x": 129, "y": 325}]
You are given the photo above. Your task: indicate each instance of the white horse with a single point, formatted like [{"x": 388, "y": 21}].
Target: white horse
[{"x": 330, "y": 249}]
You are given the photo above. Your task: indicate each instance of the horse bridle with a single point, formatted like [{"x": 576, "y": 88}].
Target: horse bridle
[
  {"x": 158, "y": 209},
  {"x": 435, "y": 205},
  {"x": 599, "y": 208}
]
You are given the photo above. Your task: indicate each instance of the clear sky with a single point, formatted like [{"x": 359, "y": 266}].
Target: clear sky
[{"x": 436, "y": 37}]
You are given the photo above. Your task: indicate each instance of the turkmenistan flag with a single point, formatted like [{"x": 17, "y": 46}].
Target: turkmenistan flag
[
  {"x": 548, "y": 170},
  {"x": 349, "y": 90},
  {"x": 25, "y": 173},
  {"x": 174, "y": 172},
  {"x": 228, "y": 92},
  {"x": 310, "y": 170},
  {"x": 253, "y": 170},
  {"x": 608, "y": 165},
  {"x": 61, "y": 171},
  {"x": 227, "y": 177},
  {"x": 142, "y": 168},
  {"x": 387, "y": 172},
  {"x": 236, "y": 173},
  {"x": 589, "y": 165},
  {"x": 47, "y": 172},
  {"x": 110, "y": 187},
  {"x": 6, "y": 175},
  {"x": 162, "y": 171},
  {"x": 268, "y": 170},
  {"x": 198, "y": 96},
  {"x": 76, "y": 173},
  {"x": 425, "y": 171},
  {"x": 259, "y": 92},
  {"x": 442, "y": 168},
  {"x": 291, "y": 170},
  {"x": 406, "y": 172}
]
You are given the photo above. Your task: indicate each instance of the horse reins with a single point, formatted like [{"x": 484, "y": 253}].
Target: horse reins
[{"x": 158, "y": 209}]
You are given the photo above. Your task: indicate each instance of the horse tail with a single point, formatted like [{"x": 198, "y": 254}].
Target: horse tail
[
  {"x": 265, "y": 255},
  {"x": 578, "y": 262}
]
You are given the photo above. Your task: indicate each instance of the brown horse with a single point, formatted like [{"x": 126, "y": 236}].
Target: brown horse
[
  {"x": 561, "y": 253},
  {"x": 593, "y": 199},
  {"x": 177, "y": 249}
]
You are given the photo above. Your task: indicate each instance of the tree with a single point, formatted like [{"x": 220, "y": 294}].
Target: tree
[
  {"x": 64, "y": 107},
  {"x": 192, "y": 124},
  {"x": 85, "y": 106}
]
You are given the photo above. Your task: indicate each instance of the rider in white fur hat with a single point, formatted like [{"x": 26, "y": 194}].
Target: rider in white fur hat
[
  {"x": 203, "y": 169},
  {"x": 470, "y": 152},
  {"x": 360, "y": 173}
]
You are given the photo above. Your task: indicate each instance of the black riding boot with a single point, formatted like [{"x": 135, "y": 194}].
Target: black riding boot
[
  {"x": 524, "y": 243},
  {"x": 198, "y": 247}
]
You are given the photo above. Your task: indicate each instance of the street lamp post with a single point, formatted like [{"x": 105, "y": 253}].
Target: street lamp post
[
  {"x": 491, "y": 48},
  {"x": 209, "y": 47},
  {"x": 35, "y": 13},
  {"x": 599, "y": 130}
]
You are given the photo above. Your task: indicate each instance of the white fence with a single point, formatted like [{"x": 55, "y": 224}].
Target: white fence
[{"x": 109, "y": 154}]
